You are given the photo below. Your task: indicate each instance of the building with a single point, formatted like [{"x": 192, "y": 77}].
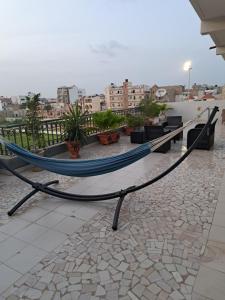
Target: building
[
  {"x": 92, "y": 103},
  {"x": 69, "y": 95},
  {"x": 172, "y": 92},
  {"x": 223, "y": 93},
  {"x": 5, "y": 102},
  {"x": 125, "y": 96}
]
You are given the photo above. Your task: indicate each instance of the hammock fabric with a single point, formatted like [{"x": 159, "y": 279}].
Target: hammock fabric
[{"x": 82, "y": 168}]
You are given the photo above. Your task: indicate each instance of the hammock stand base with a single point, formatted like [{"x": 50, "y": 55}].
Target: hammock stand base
[
  {"x": 41, "y": 187},
  {"x": 44, "y": 187},
  {"x": 37, "y": 188}
]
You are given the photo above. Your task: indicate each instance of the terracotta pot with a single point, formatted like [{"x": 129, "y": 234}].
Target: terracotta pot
[
  {"x": 104, "y": 138},
  {"x": 128, "y": 130},
  {"x": 74, "y": 149},
  {"x": 115, "y": 137}
]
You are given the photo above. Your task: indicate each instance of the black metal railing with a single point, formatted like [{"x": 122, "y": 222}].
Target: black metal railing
[{"x": 52, "y": 131}]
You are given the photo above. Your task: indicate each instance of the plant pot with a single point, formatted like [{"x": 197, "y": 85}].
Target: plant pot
[
  {"x": 115, "y": 137},
  {"x": 128, "y": 130},
  {"x": 104, "y": 138},
  {"x": 73, "y": 148}
]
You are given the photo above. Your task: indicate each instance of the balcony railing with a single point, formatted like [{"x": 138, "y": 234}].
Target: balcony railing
[{"x": 52, "y": 131}]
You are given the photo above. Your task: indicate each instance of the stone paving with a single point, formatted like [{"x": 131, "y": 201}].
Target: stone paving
[{"x": 159, "y": 246}]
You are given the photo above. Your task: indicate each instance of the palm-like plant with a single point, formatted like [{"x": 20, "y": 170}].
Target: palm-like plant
[{"x": 74, "y": 126}]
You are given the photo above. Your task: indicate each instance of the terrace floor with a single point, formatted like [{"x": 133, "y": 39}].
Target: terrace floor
[{"x": 170, "y": 243}]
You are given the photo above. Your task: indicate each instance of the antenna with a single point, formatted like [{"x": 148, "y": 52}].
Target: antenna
[{"x": 161, "y": 93}]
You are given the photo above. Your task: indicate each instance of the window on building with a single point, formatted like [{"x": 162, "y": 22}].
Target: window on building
[
  {"x": 133, "y": 91},
  {"x": 134, "y": 97}
]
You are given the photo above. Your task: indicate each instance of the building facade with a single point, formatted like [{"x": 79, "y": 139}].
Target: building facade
[
  {"x": 172, "y": 92},
  {"x": 125, "y": 96},
  {"x": 93, "y": 103},
  {"x": 70, "y": 95}
]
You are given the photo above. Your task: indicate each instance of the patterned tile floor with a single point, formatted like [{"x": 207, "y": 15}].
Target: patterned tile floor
[{"x": 170, "y": 242}]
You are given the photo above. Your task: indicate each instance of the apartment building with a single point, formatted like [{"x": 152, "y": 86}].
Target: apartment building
[
  {"x": 70, "y": 95},
  {"x": 92, "y": 103},
  {"x": 125, "y": 96}
]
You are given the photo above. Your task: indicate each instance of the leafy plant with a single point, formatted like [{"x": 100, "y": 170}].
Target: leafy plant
[
  {"x": 107, "y": 120},
  {"x": 164, "y": 107},
  {"x": 150, "y": 108},
  {"x": 33, "y": 121},
  {"x": 134, "y": 121},
  {"x": 74, "y": 126}
]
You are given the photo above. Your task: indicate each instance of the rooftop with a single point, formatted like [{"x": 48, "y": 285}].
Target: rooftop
[{"x": 169, "y": 245}]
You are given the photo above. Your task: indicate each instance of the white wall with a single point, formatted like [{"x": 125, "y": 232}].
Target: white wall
[
  {"x": 191, "y": 109},
  {"x": 1, "y": 107}
]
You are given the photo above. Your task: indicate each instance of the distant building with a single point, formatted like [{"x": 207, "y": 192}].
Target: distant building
[
  {"x": 125, "y": 96},
  {"x": 92, "y": 103},
  {"x": 171, "y": 95},
  {"x": 69, "y": 95},
  {"x": 223, "y": 92},
  {"x": 5, "y": 102}
]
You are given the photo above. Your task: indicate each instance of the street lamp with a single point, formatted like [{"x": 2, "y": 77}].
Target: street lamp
[{"x": 187, "y": 68}]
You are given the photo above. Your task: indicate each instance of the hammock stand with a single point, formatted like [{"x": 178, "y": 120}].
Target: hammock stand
[{"x": 44, "y": 187}]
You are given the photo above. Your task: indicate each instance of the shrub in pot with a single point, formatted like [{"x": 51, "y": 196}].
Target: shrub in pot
[
  {"x": 150, "y": 109},
  {"x": 75, "y": 133},
  {"x": 132, "y": 123},
  {"x": 106, "y": 122}
]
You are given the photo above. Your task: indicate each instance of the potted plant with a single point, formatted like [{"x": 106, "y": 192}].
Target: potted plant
[
  {"x": 34, "y": 127},
  {"x": 75, "y": 133},
  {"x": 132, "y": 123},
  {"x": 151, "y": 110},
  {"x": 106, "y": 122}
]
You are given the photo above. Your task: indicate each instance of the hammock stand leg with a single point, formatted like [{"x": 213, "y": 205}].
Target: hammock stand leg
[
  {"x": 117, "y": 212},
  {"x": 36, "y": 187}
]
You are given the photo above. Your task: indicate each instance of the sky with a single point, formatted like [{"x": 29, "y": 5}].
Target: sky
[{"x": 45, "y": 44}]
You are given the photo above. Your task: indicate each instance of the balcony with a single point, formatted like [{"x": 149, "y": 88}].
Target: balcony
[{"x": 170, "y": 243}]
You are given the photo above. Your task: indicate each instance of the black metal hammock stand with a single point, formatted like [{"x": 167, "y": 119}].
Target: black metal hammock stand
[{"x": 44, "y": 187}]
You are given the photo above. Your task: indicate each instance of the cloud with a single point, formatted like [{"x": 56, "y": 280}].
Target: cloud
[{"x": 109, "y": 49}]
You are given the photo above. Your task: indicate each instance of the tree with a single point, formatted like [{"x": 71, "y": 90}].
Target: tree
[{"x": 33, "y": 121}]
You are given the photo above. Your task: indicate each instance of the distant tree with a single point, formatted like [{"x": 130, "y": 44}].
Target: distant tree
[
  {"x": 33, "y": 121},
  {"x": 48, "y": 107}
]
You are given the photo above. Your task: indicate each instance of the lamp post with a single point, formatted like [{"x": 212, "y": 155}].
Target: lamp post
[{"x": 187, "y": 68}]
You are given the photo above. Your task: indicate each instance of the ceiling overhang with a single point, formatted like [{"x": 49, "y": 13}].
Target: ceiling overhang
[{"x": 212, "y": 15}]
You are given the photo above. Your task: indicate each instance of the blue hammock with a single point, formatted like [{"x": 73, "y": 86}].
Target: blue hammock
[{"x": 82, "y": 168}]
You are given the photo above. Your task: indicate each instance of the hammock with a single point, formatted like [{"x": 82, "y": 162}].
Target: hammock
[
  {"x": 82, "y": 168},
  {"x": 141, "y": 151}
]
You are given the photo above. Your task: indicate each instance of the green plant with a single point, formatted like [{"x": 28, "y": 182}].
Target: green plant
[
  {"x": 134, "y": 121},
  {"x": 74, "y": 126},
  {"x": 150, "y": 108},
  {"x": 163, "y": 107},
  {"x": 107, "y": 120},
  {"x": 33, "y": 121}
]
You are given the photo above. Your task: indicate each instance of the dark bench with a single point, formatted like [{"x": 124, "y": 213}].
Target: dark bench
[
  {"x": 154, "y": 132},
  {"x": 207, "y": 141},
  {"x": 173, "y": 123},
  {"x": 137, "y": 137}
]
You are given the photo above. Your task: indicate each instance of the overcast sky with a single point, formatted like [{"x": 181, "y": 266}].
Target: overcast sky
[{"x": 49, "y": 43}]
